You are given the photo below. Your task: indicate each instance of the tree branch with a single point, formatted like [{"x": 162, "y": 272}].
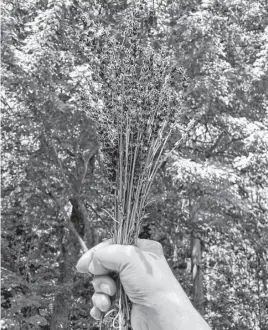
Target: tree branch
[
  {"x": 86, "y": 158},
  {"x": 71, "y": 226},
  {"x": 59, "y": 162}
]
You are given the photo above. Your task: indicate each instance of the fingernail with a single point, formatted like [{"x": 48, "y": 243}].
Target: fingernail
[
  {"x": 91, "y": 268},
  {"x": 104, "y": 303},
  {"x": 105, "y": 288}
]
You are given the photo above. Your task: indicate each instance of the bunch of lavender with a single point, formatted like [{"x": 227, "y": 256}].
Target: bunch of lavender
[{"x": 141, "y": 93}]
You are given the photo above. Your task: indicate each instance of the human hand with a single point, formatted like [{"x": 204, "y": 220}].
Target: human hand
[{"x": 159, "y": 302}]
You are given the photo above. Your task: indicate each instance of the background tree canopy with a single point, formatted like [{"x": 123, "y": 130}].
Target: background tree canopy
[{"x": 209, "y": 204}]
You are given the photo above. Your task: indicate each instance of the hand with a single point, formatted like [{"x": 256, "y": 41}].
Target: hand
[{"x": 159, "y": 302}]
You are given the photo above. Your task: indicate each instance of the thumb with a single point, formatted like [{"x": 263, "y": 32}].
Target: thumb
[
  {"x": 115, "y": 258},
  {"x": 106, "y": 256}
]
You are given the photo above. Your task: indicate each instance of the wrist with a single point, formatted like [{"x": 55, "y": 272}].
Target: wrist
[{"x": 174, "y": 311}]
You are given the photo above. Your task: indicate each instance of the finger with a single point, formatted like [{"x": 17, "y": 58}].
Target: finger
[
  {"x": 95, "y": 313},
  {"x": 104, "y": 284},
  {"x": 101, "y": 301},
  {"x": 85, "y": 260}
]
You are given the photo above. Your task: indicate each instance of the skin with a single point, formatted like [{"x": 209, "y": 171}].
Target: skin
[{"x": 159, "y": 302}]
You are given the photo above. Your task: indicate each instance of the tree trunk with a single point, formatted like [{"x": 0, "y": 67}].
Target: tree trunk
[
  {"x": 61, "y": 310},
  {"x": 196, "y": 258},
  {"x": 196, "y": 255},
  {"x": 70, "y": 253}
]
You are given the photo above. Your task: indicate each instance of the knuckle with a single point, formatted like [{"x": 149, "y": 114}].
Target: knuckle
[
  {"x": 159, "y": 248},
  {"x": 131, "y": 250},
  {"x": 159, "y": 245}
]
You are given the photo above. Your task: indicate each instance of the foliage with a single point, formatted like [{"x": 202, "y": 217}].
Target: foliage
[{"x": 58, "y": 78}]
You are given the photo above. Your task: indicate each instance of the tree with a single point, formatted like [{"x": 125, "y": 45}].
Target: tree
[{"x": 210, "y": 197}]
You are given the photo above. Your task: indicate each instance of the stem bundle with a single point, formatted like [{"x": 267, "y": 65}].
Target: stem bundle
[{"x": 141, "y": 95}]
